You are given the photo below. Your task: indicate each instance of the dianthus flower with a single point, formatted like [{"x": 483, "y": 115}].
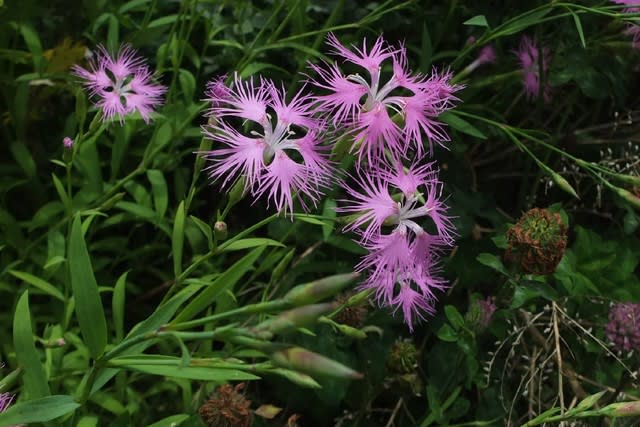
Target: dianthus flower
[
  {"x": 366, "y": 107},
  {"x": 529, "y": 56},
  {"x": 633, "y": 29},
  {"x": 280, "y": 155},
  {"x": 623, "y": 329},
  {"x": 121, "y": 85},
  {"x": 402, "y": 263}
]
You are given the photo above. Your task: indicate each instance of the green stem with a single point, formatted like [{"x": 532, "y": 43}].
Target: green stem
[{"x": 261, "y": 307}]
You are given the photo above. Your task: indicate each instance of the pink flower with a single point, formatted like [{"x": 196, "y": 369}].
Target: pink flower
[
  {"x": 402, "y": 263},
  {"x": 122, "y": 85},
  {"x": 280, "y": 156},
  {"x": 366, "y": 106},
  {"x": 633, "y": 29},
  {"x": 529, "y": 55},
  {"x": 5, "y": 401},
  {"x": 379, "y": 205},
  {"x": 67, "y": 142}
]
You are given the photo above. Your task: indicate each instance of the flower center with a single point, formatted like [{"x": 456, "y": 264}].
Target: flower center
[{"x": 275, "y": 139}]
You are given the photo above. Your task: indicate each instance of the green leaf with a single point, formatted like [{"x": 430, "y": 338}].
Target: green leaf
[
  {"x": 527, "y": 290},
  {"x": 447, "y": 333},
  {"x": 89, "y": 310},
  {"x": 478, "y": 20},
  {"x": 310, "y": 219},
  {"x": 461, "y": 125},
  {"x": 35, "y": 378},
  {"x": 159, "y": 317},
  {"x": 523, "y": 21},
  {"x": 225, "y": 282},
  {"x": 38, "y": 410},
  {"x": 256, "y": 67},
  {"x": 61, "y": 192},
  {"x": 118, "y": 304},
  {"x": 24, "y": 159},
  {"x": 205, "y": 229},
  {"x": 133, "y": 4},
  {"x": 113, "y": 29},
  {"x": 576, "y": 20},
  {"x": 177, "y": 239},
  {"x": 172, "y": 421},
  {"x": 196, "y": 373},
  {"x": 454, "y": 317},
  {"x": 39, "y": 283},
  {"x": 187, "y": 84},
  {"x": 162, "y": 137},
  {"x": 159, "y": 189},
  {"x": 251, "y": 243},
  {"x": 426, "y": 49},
  {"x": 32, "y": 41},
  {"x": 328, "y": 210},
  {"x": 492, "y": 261},
  {"x": 173, "y": 367}
]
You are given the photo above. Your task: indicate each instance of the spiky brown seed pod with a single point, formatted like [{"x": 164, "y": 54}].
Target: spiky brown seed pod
[
  {"x": 537, "y": 242},
  {"x": 353, "y": 315},
  {"x": 227, "y": 407}
]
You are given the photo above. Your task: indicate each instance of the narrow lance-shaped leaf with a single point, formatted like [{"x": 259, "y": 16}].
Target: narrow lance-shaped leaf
[
  {"x": 177, "y": 239},
  {"x": 38, "y": 410},
  {"x": 35, "y": 378},
  {"x": 89, "y": 310}
]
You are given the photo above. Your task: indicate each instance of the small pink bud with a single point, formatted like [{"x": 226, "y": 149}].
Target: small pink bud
[{"x": 67, "y": 142}]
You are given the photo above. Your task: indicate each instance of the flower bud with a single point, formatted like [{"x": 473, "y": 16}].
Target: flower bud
[
  {"x": 292, "y": 319},
  {"x": 319, "y": 289},
  {"x": 237, "y": 191},
  {"x": 220, "y": 230},
  {"x": 299, "y": 378},
  {"x": 311, "y": 363},
  {"x": 537, "y": 242},
  {"x": 67, "y": 142},
  {"x": 623, "y": 409},
  {"x": 562, "y": 183},
  {"x": 629, "y": 197}
]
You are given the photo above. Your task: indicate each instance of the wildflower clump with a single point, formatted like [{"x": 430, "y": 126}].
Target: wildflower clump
[
  {"x": 623, "y": 328},
  {"x": 227, "y": 407},
  {"x": 537, "y": 242},
  {"x": 276, "y": 146}
]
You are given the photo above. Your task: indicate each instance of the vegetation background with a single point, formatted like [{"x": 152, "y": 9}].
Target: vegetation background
[{"x": 131, "y": 218}]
